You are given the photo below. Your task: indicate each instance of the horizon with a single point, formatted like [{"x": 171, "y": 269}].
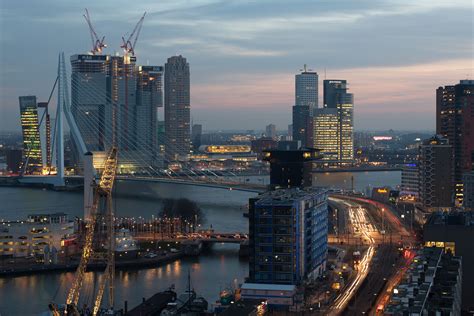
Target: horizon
[{"x": 245, "y": 69}]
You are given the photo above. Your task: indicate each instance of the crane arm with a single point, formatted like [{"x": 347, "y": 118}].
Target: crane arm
[{"x": 104, "y": 188}]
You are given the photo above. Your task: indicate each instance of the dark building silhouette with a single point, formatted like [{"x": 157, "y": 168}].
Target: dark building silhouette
[
  {"x": 436, "y": 173},
  {"x": 454, "y": 231},
  {"x": 14, "y": 157},
  {"x": 302, "y": 124},
  {"x": 333, "y": 90},
  {"x": 291, "y": 168},
  {"x": 455, "y": 121}
]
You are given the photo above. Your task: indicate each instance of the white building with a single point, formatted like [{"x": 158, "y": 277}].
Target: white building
[{"x": 32, "y": 236}]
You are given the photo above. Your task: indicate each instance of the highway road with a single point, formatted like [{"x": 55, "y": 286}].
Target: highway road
[{"x": 382, "y": 232}]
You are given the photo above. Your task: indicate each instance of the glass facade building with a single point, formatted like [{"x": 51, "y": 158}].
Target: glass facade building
[
  {"x": 333, "y": 130},
  {"x": 288, "y": 231},
  {"x": 32, "y": 154}
]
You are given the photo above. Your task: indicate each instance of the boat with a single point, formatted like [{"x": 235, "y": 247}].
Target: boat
[
  {"x": 187, "y": 303},
  {"x": 125, "y": 244}
]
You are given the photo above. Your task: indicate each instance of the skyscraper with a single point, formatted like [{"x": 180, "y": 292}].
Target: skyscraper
[
  {"x": 306, "y": 102},
  {"x": 32, "y": 155},
  {"x": 326, "y": 133},
  {"x": 455, "y": 121},
  {"x": 306, "y": 89},
  {"x": 436, "y": 174},
  {"x": 177, "y": 109},
  {"x": 333, "y": 130},
  {"x": 149, "y": 98},
  {"x": 114, "y": 102},
  {"x": 89, "y": 100},
  {"x": 333, "y": 89}
]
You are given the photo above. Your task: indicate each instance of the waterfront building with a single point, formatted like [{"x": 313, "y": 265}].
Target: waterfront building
[
  {"x": 306, "y": 89},
  {"x": 113, "y": 101},
  {"x": 468, "y": 182},
  {"x": 177, "y": 109},
  {"x": 291, "y": 168},
  {"x": 270, "y": 131},
  {"x": 431, "y": 286},
  {"x": 410, "y": 181},
  {"x": 454, "y": 232},
  {"x": 455, "y": 121},
  {"x": 32, "y": 154},
  {"x": 436, "y": 174},
  {"x": 288, "y": 236},
  {"x": 31, "y": 236}
]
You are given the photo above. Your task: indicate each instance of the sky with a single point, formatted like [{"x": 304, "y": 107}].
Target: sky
[{"x": 243, "y": 54}]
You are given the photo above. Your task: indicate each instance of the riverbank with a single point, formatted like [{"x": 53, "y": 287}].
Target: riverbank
[{"x": 125, "y": 265}]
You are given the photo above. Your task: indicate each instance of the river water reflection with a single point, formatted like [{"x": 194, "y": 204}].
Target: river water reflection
[{"x": 215, "y": 269}]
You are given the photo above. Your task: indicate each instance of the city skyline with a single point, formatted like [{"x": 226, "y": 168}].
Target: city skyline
[{"x": 245, "y": 68}]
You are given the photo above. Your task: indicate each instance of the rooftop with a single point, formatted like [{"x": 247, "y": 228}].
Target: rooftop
[
  {"x": 288, "y": 196},
  {"x": 454, "y": 218},
  {"x": 268, "y": 287}
]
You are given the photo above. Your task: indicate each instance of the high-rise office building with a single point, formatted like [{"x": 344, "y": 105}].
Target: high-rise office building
[
  {"x": 345, "y": 112},
  {"x": 177, "y": 109},
  {"x": 455, "y": 121},
  {"x": 333, "y": 130},
  {"x": 326, "y": 133},
  {"x": 436, "y": 174},
  {"x": 114, "y": 102},
  {"x": 149, "y": 99},
  {"x": 89, "y": 100},
  {"x": 32, "y": 154},
  {"x": 306, "y": 89},
  {"x": 270, "y": 131},
  {"x": 333, "y": 90},
  {"x": 306, "y": 102},
  {"x": 288, "y": 236}
]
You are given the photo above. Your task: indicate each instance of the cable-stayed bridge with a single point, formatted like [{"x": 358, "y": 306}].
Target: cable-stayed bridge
[{"x": 98, "y": 120}]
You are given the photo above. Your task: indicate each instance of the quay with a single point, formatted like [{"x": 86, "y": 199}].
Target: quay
[{"x": 127, "y": 264}]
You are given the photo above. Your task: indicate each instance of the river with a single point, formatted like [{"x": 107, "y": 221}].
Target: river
[{"x": 215, "y": 269}]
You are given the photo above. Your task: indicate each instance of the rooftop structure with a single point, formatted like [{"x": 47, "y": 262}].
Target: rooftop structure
[{"x": 432, "y": 286}]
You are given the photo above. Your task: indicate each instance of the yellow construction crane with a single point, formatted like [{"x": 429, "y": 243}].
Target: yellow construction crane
[{"x": 102, "y": 191}]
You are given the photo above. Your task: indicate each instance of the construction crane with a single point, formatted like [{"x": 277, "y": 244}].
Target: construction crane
[
  {"x": 127, "y": 45},
  {"x": 102, "y": 191},
  {"x": 97, "y": 44}
]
